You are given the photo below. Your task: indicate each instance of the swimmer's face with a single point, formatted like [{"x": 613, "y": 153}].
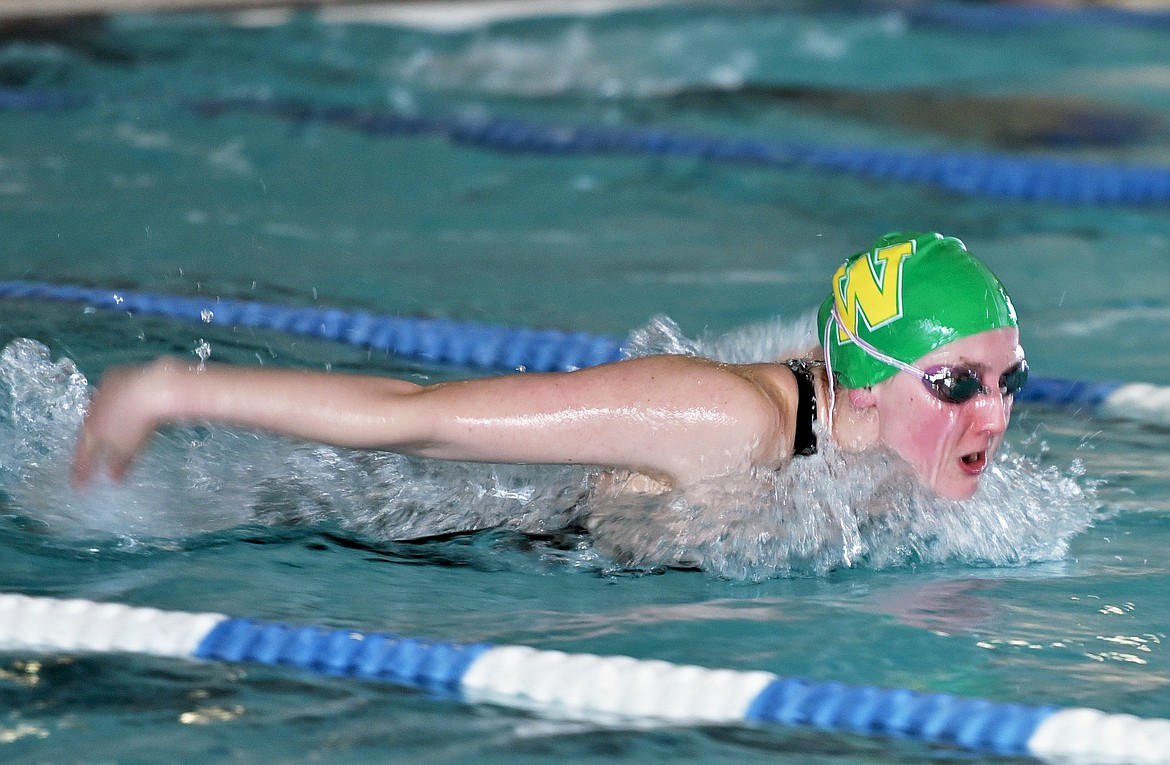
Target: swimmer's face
[{"x": 950, "y": 445}]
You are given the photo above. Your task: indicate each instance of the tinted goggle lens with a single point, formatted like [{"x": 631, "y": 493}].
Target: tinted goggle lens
[
  {"x": 1013, "y": 380},
  {"x": 956, "y": 385}
]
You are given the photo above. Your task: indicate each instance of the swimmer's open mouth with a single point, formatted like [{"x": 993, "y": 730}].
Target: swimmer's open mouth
[{"x": 974, "y": 463}]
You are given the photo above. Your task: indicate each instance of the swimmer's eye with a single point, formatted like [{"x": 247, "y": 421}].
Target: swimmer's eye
[
  {"x": 1013, "y": 381},
  {"x": 957, "y": 385}
]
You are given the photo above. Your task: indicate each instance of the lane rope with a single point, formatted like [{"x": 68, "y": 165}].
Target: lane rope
[
  {"x": 605, "y": 689},
  {"x": 1013, "y": 177},
  {"x": 1002, "y": 18},
  {"x": 1001, "y": 176},
  {"x": 501, "y": 348},
  {"x": 437, "y": 341}
]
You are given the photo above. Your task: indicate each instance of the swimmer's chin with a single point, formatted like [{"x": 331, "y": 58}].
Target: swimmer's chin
[
  {"x": 965, "y": 481},
  {"x": 956, "y": 493}
]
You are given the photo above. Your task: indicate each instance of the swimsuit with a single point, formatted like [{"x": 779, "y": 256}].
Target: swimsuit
[{"x": 804, "y": 442}]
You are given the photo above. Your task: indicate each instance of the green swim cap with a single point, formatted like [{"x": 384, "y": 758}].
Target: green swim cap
[{"x": 910, "y": 294}]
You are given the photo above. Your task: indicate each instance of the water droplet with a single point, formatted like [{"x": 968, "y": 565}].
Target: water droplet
[{"x": 203, "y": 351}]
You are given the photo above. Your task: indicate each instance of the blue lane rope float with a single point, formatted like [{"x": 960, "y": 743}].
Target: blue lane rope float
[
  {"x": 606, "y": 689},
  {"x": 21, "y": 100},
  {"x": 998, "y": 176},
  {"x": 437, "y": 341},
  {"x": 1010, "y": 177},
  {"x": 500, "y": 348},
  {"x": 1001, "y": 18}
]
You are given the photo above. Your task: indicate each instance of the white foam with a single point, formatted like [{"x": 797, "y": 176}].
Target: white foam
[
  {"x": 194, "y": 480},
  {"x": 444, "y": 16}
]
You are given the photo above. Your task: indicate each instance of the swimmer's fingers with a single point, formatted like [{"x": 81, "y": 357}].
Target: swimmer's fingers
[
  {"x": 92, "y": 456},
  {"x": 117, "y": 426},
  {"x": 84, "y": 461}
]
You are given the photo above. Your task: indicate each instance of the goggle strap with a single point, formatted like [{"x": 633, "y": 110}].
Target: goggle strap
[
  {"x": 830, "y": 381},
  {"x": 874, "y": 352},
  {"x": 879, "y": 356}
]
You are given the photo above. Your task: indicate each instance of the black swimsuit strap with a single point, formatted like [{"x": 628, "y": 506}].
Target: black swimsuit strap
[{"x": 804, "y": 443}]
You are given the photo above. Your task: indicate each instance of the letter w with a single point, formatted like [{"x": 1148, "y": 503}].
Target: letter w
[{"x": 871, "y": 289}]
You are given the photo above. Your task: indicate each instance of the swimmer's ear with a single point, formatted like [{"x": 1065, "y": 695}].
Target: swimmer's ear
[{"x": 862, "y": 398}]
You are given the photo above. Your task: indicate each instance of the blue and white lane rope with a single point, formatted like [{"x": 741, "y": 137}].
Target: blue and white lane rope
[
  {"x": 494, "y": 347},
  {"x": 606, "y": 689}
]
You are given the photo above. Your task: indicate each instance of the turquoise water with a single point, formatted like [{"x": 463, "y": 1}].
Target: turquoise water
[{"x": 132, "y": 189}]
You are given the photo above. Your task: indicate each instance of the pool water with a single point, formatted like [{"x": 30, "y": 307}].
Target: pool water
[{"x": 128, "y": 186}]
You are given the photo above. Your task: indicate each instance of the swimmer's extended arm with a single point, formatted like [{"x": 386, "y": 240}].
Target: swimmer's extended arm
[{"x": 678, "y": 417}]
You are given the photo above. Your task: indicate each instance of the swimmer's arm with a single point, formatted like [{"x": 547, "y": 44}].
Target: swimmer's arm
[
  {"x": 676, "y": 417},
  {"x": 681, "y": 418}
]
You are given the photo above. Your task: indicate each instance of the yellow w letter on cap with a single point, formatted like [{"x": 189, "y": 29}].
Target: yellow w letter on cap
[{"x": 870, "y": 288}]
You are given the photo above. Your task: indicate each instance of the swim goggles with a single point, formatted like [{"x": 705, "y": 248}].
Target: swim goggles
[
  {"x": 951, "y": 384},
  {"x": 956, "y": 385}
]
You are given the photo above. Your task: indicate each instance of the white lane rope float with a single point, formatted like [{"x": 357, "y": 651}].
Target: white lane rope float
[{"x": 607, "y": 689}]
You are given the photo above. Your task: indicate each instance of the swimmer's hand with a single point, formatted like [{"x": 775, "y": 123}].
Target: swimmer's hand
[{"x": 124, "y": 412}]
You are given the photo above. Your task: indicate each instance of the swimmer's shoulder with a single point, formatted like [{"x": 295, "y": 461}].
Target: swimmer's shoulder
[
  {"x": 776, "y": 380},
  {"x": 758, "y": 400},
  {"x": 770, "y": 419},
  {"x": 777, "y": 395}
]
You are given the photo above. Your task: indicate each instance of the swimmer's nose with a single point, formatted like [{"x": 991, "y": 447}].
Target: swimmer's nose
[{"x": 995, "y": 409}]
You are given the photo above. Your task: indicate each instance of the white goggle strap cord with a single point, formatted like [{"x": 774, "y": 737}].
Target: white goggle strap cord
[
  {"x": 832, "y": 384},
  {"x": 875, "y": 353}
]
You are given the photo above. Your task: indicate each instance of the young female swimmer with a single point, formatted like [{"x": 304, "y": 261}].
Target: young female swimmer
[{"x": 919, "y": 352}]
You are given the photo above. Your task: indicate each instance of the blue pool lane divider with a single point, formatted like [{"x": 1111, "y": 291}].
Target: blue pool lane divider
[
  {"x": 1012, "y": 177},
  {"x": 436, "y": 341},
  {"x": 500, "y": 348},
  {"x": 610, "y": 690},
  {"x": 997, "y": 18}
]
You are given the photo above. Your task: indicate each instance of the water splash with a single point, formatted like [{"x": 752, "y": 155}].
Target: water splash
[
  {"x": 821, "y": 513},
  {"x": 765, "y": 341},
  {"x": 835, "y": 510},
  {"x": 203, "y": 351},
  {"x": 386, "y": 496},
  {"x": 578, "y": 61},
  {"x": 181, "y": 487},
  {"x": 194, "y": 480}
]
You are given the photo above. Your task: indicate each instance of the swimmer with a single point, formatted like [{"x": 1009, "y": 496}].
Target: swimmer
[{"x": 919, "y": 354}]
